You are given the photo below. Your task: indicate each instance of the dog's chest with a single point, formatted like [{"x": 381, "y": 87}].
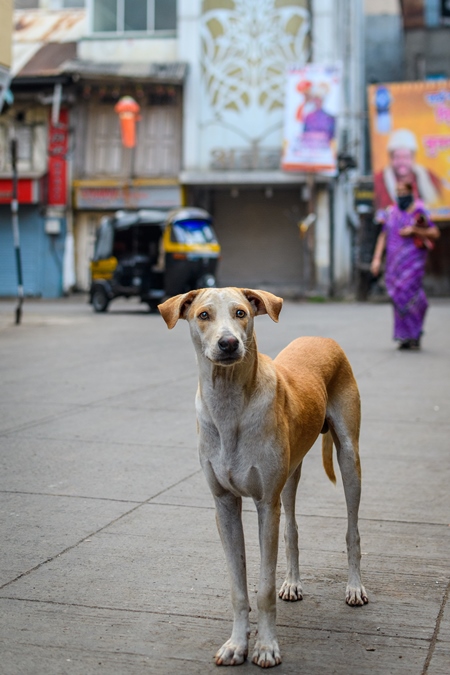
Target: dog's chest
[
  {"x": 235, "y": 447},
  {"x": 236, "y": 465}
]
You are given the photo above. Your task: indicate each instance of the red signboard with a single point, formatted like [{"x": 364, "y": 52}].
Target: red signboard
[
  {"x": 28, "y": 191},
  {"x": 58, "y": 144}
]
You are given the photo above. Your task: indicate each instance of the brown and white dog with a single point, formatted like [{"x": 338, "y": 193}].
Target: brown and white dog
[{"x": 257, "y": 419}]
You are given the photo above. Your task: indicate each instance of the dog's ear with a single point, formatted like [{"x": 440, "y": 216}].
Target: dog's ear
[
  {"x": 264, "y": 302},
  {"x": 176, "y": 308}
]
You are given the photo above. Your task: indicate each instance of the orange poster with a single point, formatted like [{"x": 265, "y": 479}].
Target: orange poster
[{"x": 410, "y": 142}]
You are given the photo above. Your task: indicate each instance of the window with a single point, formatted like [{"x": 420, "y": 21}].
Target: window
[
  {"x": 432, "y": 18},
  {"x": 104, "y": 242},
  {"x": 31, "y": 147},
  {"x": 122, "y": 16},
  {"x": 437, "y": 13},
  {"x": 193, "y": 232},
  {"x": 158, "y": 146}
]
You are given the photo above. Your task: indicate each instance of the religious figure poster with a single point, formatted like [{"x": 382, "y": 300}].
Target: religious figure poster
[{"x": 311, "y": 111}]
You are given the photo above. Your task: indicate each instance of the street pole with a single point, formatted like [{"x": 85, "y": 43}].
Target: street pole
[{"x": 15, "y": 228}]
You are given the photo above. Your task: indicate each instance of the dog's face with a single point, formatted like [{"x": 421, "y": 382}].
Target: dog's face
[{"x": 221, "y": 319}]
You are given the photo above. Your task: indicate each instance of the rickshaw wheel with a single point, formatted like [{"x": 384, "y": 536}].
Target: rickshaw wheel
[{"x": 100, "y": 300}]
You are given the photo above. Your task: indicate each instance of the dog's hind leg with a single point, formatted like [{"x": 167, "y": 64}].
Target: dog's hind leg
[
  {"x": 291, "y": 588},
  {"x": 345, "y": 433}
]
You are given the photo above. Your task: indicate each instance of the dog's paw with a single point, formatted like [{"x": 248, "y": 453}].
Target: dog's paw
[
  {"x": 231, "y": 654},
  {"x": 267, "y": 654},
  {"x": 291, "y": 592},
  {"x": 356, "y": 596}
]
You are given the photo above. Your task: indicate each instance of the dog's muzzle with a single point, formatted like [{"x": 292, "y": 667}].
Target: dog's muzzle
[
  {"x": 228, "y": 345},
  {"x": 228, "y": 349}
]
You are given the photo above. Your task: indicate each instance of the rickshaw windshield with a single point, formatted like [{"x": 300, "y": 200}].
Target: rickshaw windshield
[
  {"x": 193, "y": 232},
  {"x": 104, "y": 241}
]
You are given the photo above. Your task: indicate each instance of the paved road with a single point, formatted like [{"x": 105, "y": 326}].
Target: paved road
[{"x": 110, "y": 560}]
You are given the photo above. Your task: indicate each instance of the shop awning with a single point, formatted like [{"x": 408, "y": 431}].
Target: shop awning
[
  {"x": 229, "y": 178},
  {"x": 163, "y": 73},
  {"x": 49, "y": 60},
  {"x": 57, "y": 59}
]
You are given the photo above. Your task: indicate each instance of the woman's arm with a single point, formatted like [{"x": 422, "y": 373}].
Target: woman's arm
[
  {"x": 378, "y": 254},
  {"x": 431, "y": 232}
]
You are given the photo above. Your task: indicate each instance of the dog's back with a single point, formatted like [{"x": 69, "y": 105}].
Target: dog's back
[
  {"x": 321, "y": 395},
  {"x": 318, "y": 355}
]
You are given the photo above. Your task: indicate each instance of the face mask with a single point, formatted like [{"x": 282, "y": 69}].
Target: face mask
[{"x": 404, "y": 202}]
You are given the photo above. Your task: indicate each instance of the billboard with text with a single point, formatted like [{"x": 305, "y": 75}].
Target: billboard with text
[{"x": 410, "y": 142}]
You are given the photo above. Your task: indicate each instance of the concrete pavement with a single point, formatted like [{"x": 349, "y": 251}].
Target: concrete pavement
[{"x": 110, "y": 560}]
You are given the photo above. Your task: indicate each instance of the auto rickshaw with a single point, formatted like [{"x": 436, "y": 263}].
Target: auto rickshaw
[{"x": 153, "y": 255}]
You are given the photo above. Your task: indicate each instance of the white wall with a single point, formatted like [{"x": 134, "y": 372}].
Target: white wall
[
  {"x": 235, "y": 90},
  {"x": 375, "y": 7},
  {"x": 105, "y": 49}
]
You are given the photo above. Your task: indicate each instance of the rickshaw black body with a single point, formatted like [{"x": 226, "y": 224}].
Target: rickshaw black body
[{"x": 152, "y": 255}]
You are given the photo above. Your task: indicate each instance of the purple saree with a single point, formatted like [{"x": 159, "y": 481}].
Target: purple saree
[{"x": 405, "y": 269}]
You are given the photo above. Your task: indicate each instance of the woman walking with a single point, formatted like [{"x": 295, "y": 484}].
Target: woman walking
[{"x": 407, "y": 235}]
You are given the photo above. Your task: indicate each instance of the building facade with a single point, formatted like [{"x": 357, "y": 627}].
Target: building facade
[
  {"x": 128, "y": 49},
  {"x": 427, "y": 32},
  {"x": 209, "y": 77},
  {"x": 406, "y": 41},
  {"x": 72, "y": 62},
  {"x": 238, "y": 53},
  {"x": 5, "y": 47},
  {"x": 39, "y": 120}
]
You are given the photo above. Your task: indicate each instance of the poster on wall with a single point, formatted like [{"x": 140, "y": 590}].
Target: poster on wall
[
  {"x": 310, "y": 119},
  {"x": 410, "y": 142}
]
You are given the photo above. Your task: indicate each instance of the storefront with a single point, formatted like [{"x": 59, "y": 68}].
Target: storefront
[
  {"x": 94, "y": 199},
  {"x": 261, "y": 220},
  {"x": 42, "y": 234},
  {"x": 109, "y": 176},
  {"x": 41, "y": 132}
]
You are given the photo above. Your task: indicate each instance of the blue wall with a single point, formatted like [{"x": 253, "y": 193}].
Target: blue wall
[{"x": 42, "y": 254}]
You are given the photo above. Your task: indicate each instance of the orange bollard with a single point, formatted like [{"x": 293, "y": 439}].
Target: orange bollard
[{"x": 128, "y": 110}]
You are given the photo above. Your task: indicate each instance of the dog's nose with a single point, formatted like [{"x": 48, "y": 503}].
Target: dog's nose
[{"x": 228, "y": 344}]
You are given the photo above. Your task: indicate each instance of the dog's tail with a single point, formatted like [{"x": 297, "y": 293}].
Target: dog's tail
[{"x": 327, "y": 456}]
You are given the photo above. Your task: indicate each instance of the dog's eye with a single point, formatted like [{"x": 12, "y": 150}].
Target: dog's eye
[
  {"x": 203, "y": 315},
  {"x": 240, "y": 314}
]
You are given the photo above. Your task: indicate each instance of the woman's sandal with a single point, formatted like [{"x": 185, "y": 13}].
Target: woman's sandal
[{"x": 405, "y": 344}]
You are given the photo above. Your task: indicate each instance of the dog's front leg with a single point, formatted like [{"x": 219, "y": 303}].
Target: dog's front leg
[
  {"x": 267, "y": 652},
  {"x": 229, "y": 524}
]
